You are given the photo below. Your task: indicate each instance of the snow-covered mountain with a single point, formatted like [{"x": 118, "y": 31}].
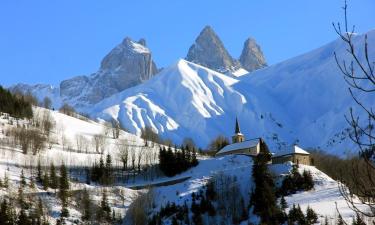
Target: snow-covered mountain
[
  {"x": 302, "y": 100},
  {"x": 128, "y": 64}
]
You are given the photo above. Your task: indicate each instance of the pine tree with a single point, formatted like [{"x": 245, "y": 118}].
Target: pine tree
[
  {"x": 311, "y": 216},
  {"x": 39, "y": 209},
  {"x": 52, "y": 177},
  {"x": 86, "y": 204},
  {"x": 21, "y": 197},
  {"x": 39, "y": 172},
  {"x": 6, "y": 181},
  {"x": 264, "y": 198},
  {"x": 308, "y": 182},
  {"x": 194, "y": 160},
  {"x": 358, "y": 220},
  {"x": 4, "y": 213},
  {"x": 45, "y": 181},
  {"x": 23, "y": 180},
  {"x": 104, "y": 211},
  {"x": 283, "y": 203},
  {"x": 108, "y": 170},
  {"x": 23, "y": 218},
  {"x": 63, "y": 190}
]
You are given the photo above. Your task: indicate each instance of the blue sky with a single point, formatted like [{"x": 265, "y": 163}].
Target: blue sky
[{"x": 48, "y": 41}]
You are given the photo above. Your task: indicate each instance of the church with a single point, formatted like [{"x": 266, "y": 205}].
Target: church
[
  {"x": 255, "y": 146},
  {"x": 241, "y": 146}
]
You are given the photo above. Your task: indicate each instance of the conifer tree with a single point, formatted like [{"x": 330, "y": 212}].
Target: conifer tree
[
  {"x": 358, "y": 220},
  {"x": 52, "y": 177},
  {"x": 194, "y": 160},
  {"x": 108, "y": 170},
  {"x": 45, "y": 181},
  {"x": 6, "y": 181},
  {"x": 263, "y": 198},
  {"x": 39, "y": 209},
  {"x": 104, "y": 211},
  {"x": 21, "y": 197},
  {"x": 5, "y": 217},
  {"x": 63, "y": 190},
  {"x": 283, "y": 203},
  {"x": 23, "y": 180},
  {"x": 311, "y": 216},
  {"x": 39, "y": 172},
  {"x": 86, "y": 204},
  {"x": 23, "y": 218}
]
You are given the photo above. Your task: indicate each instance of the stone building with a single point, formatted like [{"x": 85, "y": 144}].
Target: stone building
[
  {"x": 244, "y": 147},
  {"x": 295, "y": 155}
]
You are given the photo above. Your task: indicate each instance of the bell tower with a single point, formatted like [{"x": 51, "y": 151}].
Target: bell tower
[{"x": 238, "y": 136}]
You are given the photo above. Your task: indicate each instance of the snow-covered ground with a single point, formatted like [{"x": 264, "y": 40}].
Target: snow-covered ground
[
  {"x": 323, "y": 198},
  {"x": 64, "y": 137}
]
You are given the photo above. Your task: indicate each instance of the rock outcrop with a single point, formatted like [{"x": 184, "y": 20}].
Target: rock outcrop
[
  {"x": 252, "y": 57},
  {"x": 209, "y": 51},
  {"x": 128, "y": 64}
]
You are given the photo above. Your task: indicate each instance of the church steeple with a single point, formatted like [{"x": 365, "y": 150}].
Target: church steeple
[
  {"x": 237, "y": 137},
  {"x": 237, "y": 129}
]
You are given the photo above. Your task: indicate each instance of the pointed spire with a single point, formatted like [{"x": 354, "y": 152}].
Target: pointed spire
[{"x": 237, "y": 130}]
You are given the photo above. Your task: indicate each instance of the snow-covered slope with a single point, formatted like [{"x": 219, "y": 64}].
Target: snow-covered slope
[
  {"x": 302, "y": 100},
  {"x": 322, "y": 198},
  {"x": 71, "y": 142},
  {"x": 184, "y": 100},
  {"x": 313, "y": 93}
]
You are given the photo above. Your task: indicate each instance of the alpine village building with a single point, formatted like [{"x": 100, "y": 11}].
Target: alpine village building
[{"x": 255, "y": 146}]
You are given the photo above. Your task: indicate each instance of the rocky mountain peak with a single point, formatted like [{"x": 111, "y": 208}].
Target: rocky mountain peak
[
  {"x": 128, "y": 64},
  {"x": 209, "y": 51},
  {"x": 252, "y": 57}
]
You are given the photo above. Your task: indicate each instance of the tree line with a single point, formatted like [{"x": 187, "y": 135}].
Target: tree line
[
  {"x": 16, "y": 106},
  {"x": 172, "y": 162}
]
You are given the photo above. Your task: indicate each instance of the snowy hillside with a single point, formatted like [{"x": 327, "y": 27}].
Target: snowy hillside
[
  {"x": 302, "y": 100},
  {"x": 180, "y": 101},
  {"x": 238, "y": 169},
  {"x": 70, "y": 142}
]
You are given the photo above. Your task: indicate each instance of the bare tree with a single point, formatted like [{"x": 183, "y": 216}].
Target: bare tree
[
  {"x": 115, "y": 129},
  {"x": 360, "y": 77},
  {"x": 139, "y": 158},
  {"x": 47, "y": 103},
  {"x": 123, "y": 153},
  {"x": 99, "y": 142},
  {"x": 82, "y": 143},
  {"x": 47, "y": 123},
  {"x": 218, "y": 143},
  {"x": 132, "y": 158}
]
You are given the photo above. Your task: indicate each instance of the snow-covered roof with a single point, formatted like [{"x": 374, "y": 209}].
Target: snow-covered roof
[
  {"x": 240, "y": 145},
  {"x": 293, "y": 150}
]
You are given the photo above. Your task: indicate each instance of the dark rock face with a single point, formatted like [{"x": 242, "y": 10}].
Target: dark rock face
[
  {"x": 209, "y": 51},
  {"x": 128, "y": 64},
  {"x": 252, "y": 57}
]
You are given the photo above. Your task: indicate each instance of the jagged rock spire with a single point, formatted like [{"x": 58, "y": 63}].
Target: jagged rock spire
[
  {"x": 252, "y": 57},
  {"x": 209, "y": 51}
]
